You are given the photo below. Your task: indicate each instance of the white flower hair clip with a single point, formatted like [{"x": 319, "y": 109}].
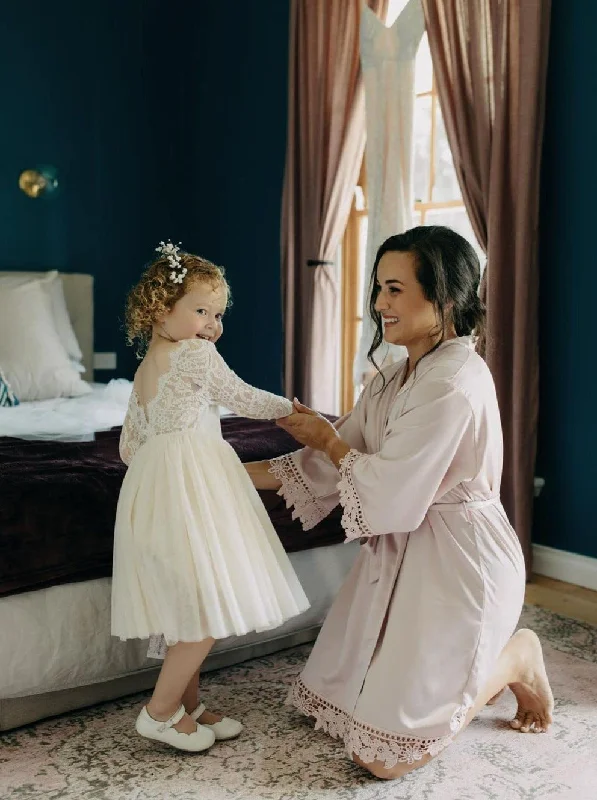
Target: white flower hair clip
[{"x": 172, "y": 253}]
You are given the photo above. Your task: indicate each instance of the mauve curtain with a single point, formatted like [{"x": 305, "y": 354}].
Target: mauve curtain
[
  {"x": 490, "y": 64},
  {"x": 326, "y": 138}
]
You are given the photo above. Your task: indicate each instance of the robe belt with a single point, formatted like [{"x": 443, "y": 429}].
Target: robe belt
[{"x": 371, "y": 542}]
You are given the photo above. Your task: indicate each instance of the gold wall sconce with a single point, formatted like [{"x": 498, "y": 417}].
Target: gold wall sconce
[{"x": 38, "y": 182}]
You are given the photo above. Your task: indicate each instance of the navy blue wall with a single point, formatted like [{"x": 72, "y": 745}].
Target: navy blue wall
[
  {"x": 238, "y": 82},
  {"x": 565, "y": 513},
  {"x": 163, "y": 120},
  {"x": 168, "y": 120},
  {"x": 71, "y": 93}
]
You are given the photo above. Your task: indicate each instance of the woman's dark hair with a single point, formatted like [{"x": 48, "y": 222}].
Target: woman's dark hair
[{"x": 449, "y": 272}]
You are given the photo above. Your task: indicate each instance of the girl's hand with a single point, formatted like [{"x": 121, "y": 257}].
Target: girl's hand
[{"x": 309, "y": 428}]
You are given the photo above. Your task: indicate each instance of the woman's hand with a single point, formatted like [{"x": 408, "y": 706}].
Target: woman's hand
[
  {"x": 312, "y": 430},
  {"x": 308, "y": 427}
]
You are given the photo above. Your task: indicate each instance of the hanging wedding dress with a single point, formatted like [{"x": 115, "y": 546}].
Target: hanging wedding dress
[{"x": 388, "y": 56}]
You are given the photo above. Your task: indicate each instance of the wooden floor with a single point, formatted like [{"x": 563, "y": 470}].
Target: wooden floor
[{"x": 563, "y": 598}]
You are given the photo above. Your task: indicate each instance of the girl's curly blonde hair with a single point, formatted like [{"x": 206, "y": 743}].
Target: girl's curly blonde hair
[{"x": 156, "y": 293}]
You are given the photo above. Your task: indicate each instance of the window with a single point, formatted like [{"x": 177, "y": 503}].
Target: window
[
  {"x": 437, "y": 194},
  {"x": 438, "y": 201}
]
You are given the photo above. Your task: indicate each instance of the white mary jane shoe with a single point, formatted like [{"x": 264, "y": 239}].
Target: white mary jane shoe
[
  {"x": 224, "y": 729},
  {"x": 195, "y": 742}
]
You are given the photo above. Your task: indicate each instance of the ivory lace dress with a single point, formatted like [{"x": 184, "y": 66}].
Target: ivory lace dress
[{"x": 195, "y": 553}]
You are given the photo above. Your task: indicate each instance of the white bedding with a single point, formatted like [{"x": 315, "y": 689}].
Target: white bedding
[
  {"x": 59, "y": 638},
  {"x": 71, "y": 419}
]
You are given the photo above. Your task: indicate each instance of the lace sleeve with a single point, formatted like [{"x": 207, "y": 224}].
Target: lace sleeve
[
  {"x": 309, "y": 479},
  {"x": 426, "y": 452},
  {"x": 133, "y": 431},
  {"x": 206, "y": 367},
  {"x": 297, "y": 491}
]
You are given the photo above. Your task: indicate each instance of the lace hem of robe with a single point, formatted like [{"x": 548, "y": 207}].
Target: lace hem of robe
[
  {"x": 368, "y": 743},
  {"x": 353, "y": 519},
  {"x": 297, "y": 493}
]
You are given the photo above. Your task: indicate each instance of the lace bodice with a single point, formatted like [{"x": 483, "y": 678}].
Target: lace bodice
[{"x": 197, "y": 379}]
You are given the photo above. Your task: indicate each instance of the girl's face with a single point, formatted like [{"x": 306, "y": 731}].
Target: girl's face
[
  {"x": 407, "y": 316},
  {"x": 198, "y": 314}
]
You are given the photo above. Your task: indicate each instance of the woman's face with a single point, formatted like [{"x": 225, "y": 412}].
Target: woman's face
[{"x": 408, "y": 317}]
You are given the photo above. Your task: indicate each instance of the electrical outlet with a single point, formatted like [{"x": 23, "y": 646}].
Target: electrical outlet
[{"x": 104, "y": 361}]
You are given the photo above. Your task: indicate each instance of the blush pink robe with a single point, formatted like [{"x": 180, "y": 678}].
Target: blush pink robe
[{"x": 438, "y": 586}]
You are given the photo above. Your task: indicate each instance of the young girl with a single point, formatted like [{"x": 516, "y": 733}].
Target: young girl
[{"x": 195, "y": 555}]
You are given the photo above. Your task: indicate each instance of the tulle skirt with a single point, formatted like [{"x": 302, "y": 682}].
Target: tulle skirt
[{"x": 195, "y": 553}]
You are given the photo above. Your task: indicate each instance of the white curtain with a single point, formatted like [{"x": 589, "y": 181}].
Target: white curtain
[{"x": 388, "y": 56}]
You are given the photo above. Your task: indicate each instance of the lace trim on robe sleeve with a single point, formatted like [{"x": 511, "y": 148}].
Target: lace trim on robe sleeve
[
  {"x": 353, "y": 519},
  {"x": 297, "y": 493}
]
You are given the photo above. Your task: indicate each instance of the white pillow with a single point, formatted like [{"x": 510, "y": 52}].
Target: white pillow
[
  {"x": 52, "y": 283},
  {"x": 32, "y": 356}
]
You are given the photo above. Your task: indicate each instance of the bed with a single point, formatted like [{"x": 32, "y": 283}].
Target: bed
[{"x": 59, "y": 480}]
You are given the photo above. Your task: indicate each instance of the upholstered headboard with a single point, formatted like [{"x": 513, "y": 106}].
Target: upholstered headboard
[{"x": 78, "y": 292}]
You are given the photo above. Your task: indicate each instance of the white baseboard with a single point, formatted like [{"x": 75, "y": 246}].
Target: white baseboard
[{"x": 564, "y": 566}]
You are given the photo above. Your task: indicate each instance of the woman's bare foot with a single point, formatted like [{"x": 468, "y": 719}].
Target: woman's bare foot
[{"x": 532, "y": 689}]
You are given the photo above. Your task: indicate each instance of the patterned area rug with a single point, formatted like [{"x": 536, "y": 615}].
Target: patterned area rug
[{"x": 96, "y": 754}]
